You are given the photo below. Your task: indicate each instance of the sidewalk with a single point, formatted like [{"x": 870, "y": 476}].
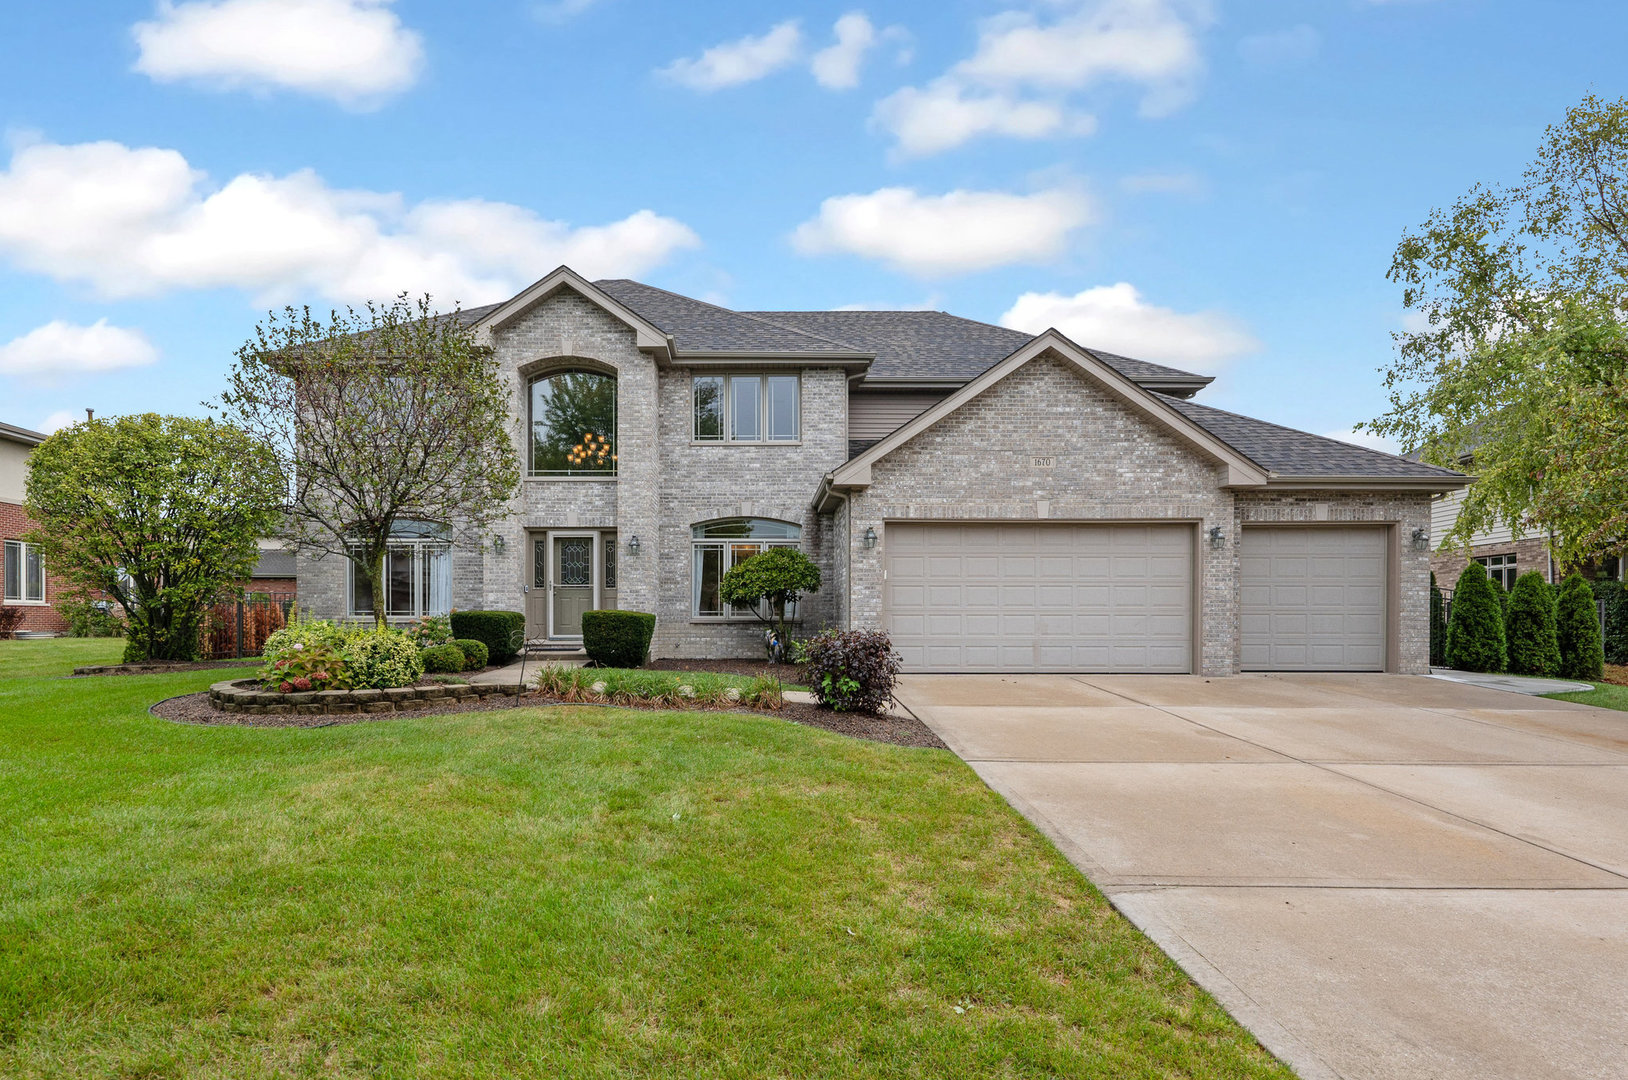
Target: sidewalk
[{"x": 1514, "y": 684}]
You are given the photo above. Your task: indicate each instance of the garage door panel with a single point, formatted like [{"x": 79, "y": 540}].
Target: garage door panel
[
  {"x": 1041, "y": 597},
  {"x": 1313, "y": 598}
]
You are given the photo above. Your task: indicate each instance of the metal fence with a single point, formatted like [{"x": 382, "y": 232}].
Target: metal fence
[{"x": 235, "y": 628}]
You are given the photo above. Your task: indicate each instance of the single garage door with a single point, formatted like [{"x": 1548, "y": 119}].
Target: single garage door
[
  {"x": 1312, "y": 598},
  {"x": 1034, "y": 597}
]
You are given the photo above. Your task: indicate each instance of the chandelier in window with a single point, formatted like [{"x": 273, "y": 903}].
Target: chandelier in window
[{"x": 592, "y": 450}]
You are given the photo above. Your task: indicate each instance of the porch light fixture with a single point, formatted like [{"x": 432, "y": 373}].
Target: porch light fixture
[
  {"x": 498, "y": 544},
  {"x": 1217, "y": 537},
  {"x": 633, "y": 544},
  {"x": 870, "y": 538},
  {"x": 1421, "y": 540}
]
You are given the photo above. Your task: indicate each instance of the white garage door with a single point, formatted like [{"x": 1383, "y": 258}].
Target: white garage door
[
  {"x": 1033, "y": 597},
  {"x": 1313, "y": 598}
]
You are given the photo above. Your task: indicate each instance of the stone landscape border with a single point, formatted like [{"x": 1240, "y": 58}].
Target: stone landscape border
[{"x": 248, "y": 696}]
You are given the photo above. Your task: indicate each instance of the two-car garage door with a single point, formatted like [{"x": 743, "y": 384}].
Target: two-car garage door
[
  {"x": 1037, "y": 597},
  {"x": 1119, "y": 597}
]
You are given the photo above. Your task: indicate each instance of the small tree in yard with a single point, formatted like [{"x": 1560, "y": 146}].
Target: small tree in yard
[
  {"x": 1475, "y": 631},
  {"x": 1582, "y": 652},
  {"x": 778, "y": 577},
  {"x": 1529, "y": 628},
  {"x": 162, "y": 513},
  {"x": 387, "y": 414}
]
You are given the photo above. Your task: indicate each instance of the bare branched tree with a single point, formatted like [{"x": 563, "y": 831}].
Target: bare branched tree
[{"x": 384, "y": 414}]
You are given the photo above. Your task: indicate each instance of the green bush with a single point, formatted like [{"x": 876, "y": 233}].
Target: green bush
[
  {"x": 475, "y": 653},
  {"x": 307, "y": 655},
  {"x": 1582, "y": 651},
  {"x": 852, "y": 670},
  {"x": 502, "y": 632},
  {"x": 1438, "y": 625},
  {"x": 1615, "y": 596},
  {"x": 442, "y": 659},
  {"x": 428, "y": 631},
  {"x": 1475, "y": 629},
  {"x": 617, "y": 639},
  {"x": 88, "y": 618},
  {"x": 1529, "y": 628},
  {"x": 383, "y": 658},
  {"x": 662, "y": 689}
]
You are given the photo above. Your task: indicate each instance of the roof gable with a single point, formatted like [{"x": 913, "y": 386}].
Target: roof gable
[
  {"x": 1241, "y": 471},
  {"x": 646, "y": 334}
]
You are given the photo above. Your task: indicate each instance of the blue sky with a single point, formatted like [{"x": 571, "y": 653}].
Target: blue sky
[{"x": 1215, "y": 184}]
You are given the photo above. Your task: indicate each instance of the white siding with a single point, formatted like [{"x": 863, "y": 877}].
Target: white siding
[{"x": 1444, "y": 513}]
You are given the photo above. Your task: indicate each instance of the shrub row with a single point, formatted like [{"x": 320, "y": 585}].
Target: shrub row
[
  {"x": 502, "y": 632},
  {"x": 319, "y": 655},
  {"x": 664, "y": 689},
  {"x": 1532, "y": 630}
]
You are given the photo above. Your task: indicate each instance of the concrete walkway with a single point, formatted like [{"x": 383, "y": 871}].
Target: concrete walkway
[
  {"x": 1381, "y": 876},
  {"x": 1514, "y": 684}
]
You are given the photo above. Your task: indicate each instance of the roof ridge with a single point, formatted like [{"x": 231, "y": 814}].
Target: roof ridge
[
  {"x": 733, "y": 311},
  {"x": 1182, "y": 403}
]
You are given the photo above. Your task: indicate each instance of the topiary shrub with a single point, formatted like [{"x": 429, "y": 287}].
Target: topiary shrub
[
  {"x": 1577, "y": 631},
  {"x": 475, "y": 653},
  {"x": 502, "y": 632},
  {"x": 1529, "y": 628},
  {"x": 1614, "y": 594},
  {"x": 382, "y": 658},
  {"x": 778, "y": 577},
  {"x": 1438, "y": 625},
  {"x": 619, "y": 639},
  {"x": 1475, "y": 629},
  {"x": 851, "y": 670},
  {"x": 442, "y": 659}
]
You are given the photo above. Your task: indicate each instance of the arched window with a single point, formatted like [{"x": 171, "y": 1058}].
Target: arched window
[
  {"x": 573, "y": 424},
  {"x": 417, "y": 573},
  {"x": 720, "y": 545}
]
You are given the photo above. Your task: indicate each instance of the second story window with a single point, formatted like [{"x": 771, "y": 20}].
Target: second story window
[
  {"x": 573, "y": 424},
  {"x": 748, "y": 408}
]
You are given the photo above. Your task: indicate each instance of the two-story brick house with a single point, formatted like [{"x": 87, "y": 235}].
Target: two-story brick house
[
  {"x": 997, "y": 501},
  {"x": 25, "y": 581}
]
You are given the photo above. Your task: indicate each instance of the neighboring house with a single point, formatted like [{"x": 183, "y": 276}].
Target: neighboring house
[
  {"x": 1505, "y": 557},
  {"x": 27, "y": 582},
  {"x": 996, "y": 501},
  {"x": 273, "y": 573}
]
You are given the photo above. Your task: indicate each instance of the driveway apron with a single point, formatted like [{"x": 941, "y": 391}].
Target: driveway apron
[{"x": 1380, "y": 875}]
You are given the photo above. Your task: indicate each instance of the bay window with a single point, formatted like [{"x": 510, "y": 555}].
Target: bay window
[
  {"x": 720, "y": 545},
  {"x": 24, "y": 573},
  {"x": 417, "y": 573},
  {"x": 747, "y": 408}
]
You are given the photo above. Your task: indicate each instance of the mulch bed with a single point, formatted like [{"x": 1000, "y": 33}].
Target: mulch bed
[
  {"x": 163, "y": 667},
  {"x": 899, "y": 731}
]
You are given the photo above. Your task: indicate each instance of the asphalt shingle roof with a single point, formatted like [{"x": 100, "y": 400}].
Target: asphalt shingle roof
[
  {"x": 697, "y": 326},
  {"x": 1300, "y": 453}
]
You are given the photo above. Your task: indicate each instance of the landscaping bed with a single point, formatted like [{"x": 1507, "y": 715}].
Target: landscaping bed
[{"x": 789, "y": 674}]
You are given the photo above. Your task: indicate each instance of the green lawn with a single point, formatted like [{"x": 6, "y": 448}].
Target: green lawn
[
  {"x": 56, "y": 656},
  {"x": 546, "y": 893},
  {"x": 1604, "y": 695}
]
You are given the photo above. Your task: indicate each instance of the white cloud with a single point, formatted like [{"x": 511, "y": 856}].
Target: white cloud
[
  {"x": 59, "y": 420},
  {"x": 59, "y": 348},
  {"x": 742, "y": 61},
  {"x": 1296, "y": 45},
  {"x": 836, "y": 67},
  {"x": 356, "y": 52},
  {"x": 1366, "y": 438},
  {"x": 945, "y": 114},
  {"x": 1116, "y": 319},
  {"x": 932, "y": 235},
  {"x": 138, "y": 221},
  {"x": 1163, "y": 184}
]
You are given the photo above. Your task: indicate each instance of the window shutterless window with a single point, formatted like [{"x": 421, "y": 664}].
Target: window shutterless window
[
  {"x": 747, "y": 408},
  {"x": 1501, "y": 569},
  {"x": 573, "y": 424},
  {"x": 417, "y": 574},
  {"x": 24, "y": 573},
  {"x": 720, "y": 545}
]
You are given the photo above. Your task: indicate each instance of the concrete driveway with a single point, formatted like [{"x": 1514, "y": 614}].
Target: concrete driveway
[{"x": 1381, "y": 876}]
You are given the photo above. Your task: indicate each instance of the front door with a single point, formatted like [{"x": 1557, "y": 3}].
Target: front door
[{"x": 571, "y": 582}]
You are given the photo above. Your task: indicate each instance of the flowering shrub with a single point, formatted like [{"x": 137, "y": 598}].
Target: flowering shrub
[
  {"x": 383, "y": 658},
  {"x": 428, "y": 631},
  {"x": 851, "y": 670},
  {"x": 310, "y": 653}
]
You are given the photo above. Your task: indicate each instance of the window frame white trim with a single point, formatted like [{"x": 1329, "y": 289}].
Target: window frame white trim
[
  {"x": 422, "y": 548},
  {"x": 530, "y": 472},
  {"x": 22, "y": 599},
  {"x": 723, "y": 544},
  {"x": 726, "y": 411}
]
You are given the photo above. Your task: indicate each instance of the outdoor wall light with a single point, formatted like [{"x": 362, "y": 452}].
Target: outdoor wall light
[
  {"x": 633, "y": 544},
  {"x": 870, "y": 537},
  {"x": 1421, "y": 540},
  {"x": 1217, "y": 537},
  {"x": 498, "y": 544}
]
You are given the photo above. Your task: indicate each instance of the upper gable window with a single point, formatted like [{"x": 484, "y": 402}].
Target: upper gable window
[
  {"x": 573, "y": 424},
  {"x": 748, "y": 408}
]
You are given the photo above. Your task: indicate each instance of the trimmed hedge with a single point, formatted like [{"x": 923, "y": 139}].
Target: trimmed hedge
[
  {"x": 1582, "y": 652},
  {"x": 1475, "y": 632},
  {"x": 442, "y": 659},
  {"x": 475, "y": 653},
  {"x": 617, "y": 639},
  {"x": 1529, "y": 627},
  {"x": 502, "y": 632},
  {"x": 852, "y": 670},
  {"x": 1615, "y": 595},
  {"x": 1438, "y": 625}
]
